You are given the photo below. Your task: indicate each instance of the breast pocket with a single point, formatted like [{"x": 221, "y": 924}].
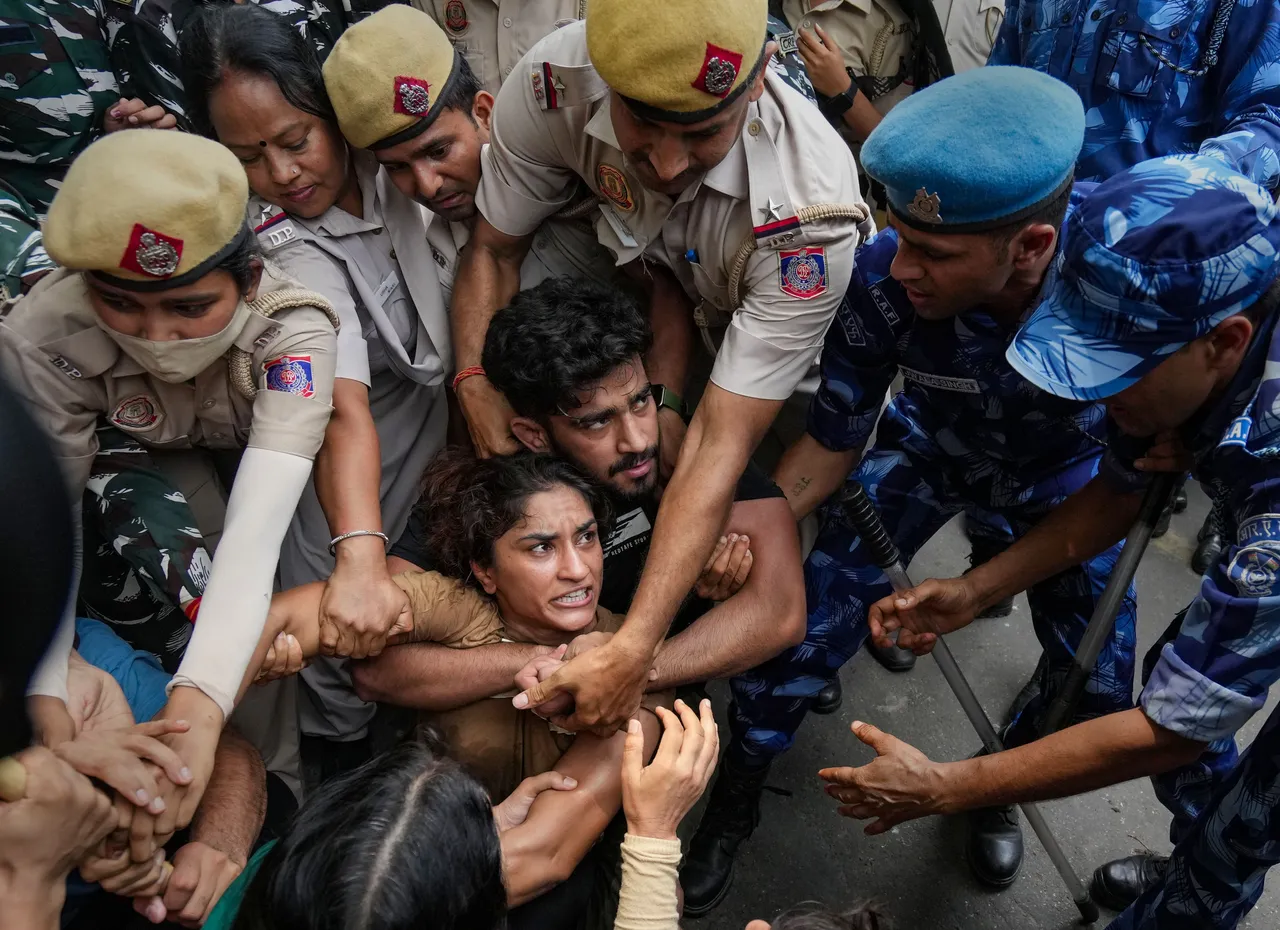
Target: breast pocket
[
  {"x": 1139, "y": 56},
  {"x": 26, "y": 52}
]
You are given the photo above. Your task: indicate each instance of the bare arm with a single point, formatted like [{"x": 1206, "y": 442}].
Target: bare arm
[
  {"x": 361, "y": 604},
  {"x": 428, "y": 676},
  {"x": 671, "y": 319},
  {"x": 488, "y": 278},
  {"x": 231, "y": 813},
  {"x": 761, "y": 620},
  {"x": 563, "y": 825},
  {"x": 862, "y": 117},
  {"x": 809, "y": 473}
]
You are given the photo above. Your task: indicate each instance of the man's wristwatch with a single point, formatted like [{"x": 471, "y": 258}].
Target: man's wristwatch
[
  {"x": 834, "y": 108},
  {"x": 665, "y": 397}
]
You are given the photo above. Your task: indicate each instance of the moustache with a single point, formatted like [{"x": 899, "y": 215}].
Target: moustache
[{"x": 632, "y": 460}]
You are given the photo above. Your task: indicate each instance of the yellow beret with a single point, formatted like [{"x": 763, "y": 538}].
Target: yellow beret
[
  {"x": 679, "y": 60},
  {"x": 149, "y": 209},
  {"x": 386, "y": 76}
]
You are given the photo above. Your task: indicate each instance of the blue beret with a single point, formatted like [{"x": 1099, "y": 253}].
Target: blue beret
[
  {"x": 1154, "y": 258},
  {"x": 977, "y": 150}
]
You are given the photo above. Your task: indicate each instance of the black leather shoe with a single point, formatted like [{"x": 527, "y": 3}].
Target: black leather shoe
[
  {"x": 829, "y": 699},
  {"x": 1119, "y": 883},
  {"x": 1162, "y": 525},
  {"x": 1180, "y": 498},
  {"x": 1209, "y": 546},
  {"x": 994, "y": 849},
  {"x": 732, "y": 813},
  {"x": 895, "y": 658}
]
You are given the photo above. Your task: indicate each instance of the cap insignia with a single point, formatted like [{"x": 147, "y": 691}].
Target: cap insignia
[
  {"x": 151, "y": 253},
  {"x": 720, "y": 69},
  {"x": 925, "y": 207},
  {"x": 413, "y": 96}
]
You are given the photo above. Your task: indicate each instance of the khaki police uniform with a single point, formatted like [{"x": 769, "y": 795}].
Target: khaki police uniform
[
  {"x": 494, "y": 34},
  {"x": 971, "y": 27},
  {"x": 876, "y": 37},
  {"x": 763, "y": 244},
  {"x": 379, "y": 273}
]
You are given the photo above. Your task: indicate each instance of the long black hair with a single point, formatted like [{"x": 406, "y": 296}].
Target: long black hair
[
  {"x": 251, "y": 40},
  {"x": 404, "y": 842}
]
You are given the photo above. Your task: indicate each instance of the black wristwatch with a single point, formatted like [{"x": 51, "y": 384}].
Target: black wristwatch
[
  {"x": 834, "y": 108},
  {"x": 665, "y": 397}
]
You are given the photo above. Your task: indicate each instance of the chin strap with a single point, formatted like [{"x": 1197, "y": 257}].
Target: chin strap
[{"x": 240, "y": 362}]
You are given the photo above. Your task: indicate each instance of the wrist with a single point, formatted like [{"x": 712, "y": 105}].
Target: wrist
[
  {"x": 654, "y": 830},
  {"x": 952, "y": 786},
  {"x": 474, "y": 383},
  {"x": 189, "y": 703},
  {"x": 983, "y": 587},
  {"x": 366, "y": 552},
  {"x": 30, "y": 900}
]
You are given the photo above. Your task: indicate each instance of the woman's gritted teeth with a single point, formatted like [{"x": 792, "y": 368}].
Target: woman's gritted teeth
[{"x": 578, "y": 597}]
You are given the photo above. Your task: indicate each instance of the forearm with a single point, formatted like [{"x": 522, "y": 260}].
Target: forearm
[
  {"x": 234, "y": 806},
  {"x": 862, "y": 117},
  {"x": 1091, "y": 755},
  {"x": 727, "y": 640},
  {"x": 809, "y": 473},
  {"x": 30, "y": 903},
  {"x": 1088, "y": 522},
  {"x": 348, "y": 465},
  {"x": 671, "y": 320},
  {"x": 487, "y": 280},
  {"x": 431, "y": 677}
]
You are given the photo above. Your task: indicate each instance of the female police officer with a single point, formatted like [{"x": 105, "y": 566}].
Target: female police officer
[
  {"x": 164, "y": 323},
  {"x": 333, "y": 221}
]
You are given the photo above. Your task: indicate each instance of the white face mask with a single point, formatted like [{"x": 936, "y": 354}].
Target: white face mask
[{"x": 178, "y": 360}]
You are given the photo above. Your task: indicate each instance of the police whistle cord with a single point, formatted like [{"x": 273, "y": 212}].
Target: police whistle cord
[
  {"x": 862, "y": 516},
  {"x": 1154, "y": 502}
]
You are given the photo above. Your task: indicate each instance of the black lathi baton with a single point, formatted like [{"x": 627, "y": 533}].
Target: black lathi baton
[{"x": 862, "y": 516}]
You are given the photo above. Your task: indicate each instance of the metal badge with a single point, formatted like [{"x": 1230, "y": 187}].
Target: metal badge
[
  {"x": 925, "y": 207},
  {"x": 413, "y": 96},
  {"x": 155, "y": 256},
  {"x": 720, "y": 76}
]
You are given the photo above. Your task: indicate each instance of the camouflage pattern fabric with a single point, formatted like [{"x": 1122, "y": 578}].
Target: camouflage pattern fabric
[
  {"x": 144, "y": 557},
  {"x": 22, "y": 251},
  {"x": 786, "y": 63},
  {"x": 55, "y": 84}
]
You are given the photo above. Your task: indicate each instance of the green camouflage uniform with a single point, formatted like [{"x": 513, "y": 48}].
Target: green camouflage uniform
[
  {"x": 144, "y": 557},
  {"x": 55, "y": 84},
  {"x": 142, "y": 36},
  {"x": 22, "y": 251}
]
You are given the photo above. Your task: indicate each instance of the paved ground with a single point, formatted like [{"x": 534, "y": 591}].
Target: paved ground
[{"x": 804, "y": 851}]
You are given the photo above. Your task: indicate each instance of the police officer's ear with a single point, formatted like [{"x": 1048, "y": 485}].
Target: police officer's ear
[
  {"x": 1227, "y": 342},
  {"x": 1029, "y": 246},
  {"x": 255, "y": 279},
  {"x": 757, "y": 89},
  {"x": 531, "y": 434},
  {"x": 482, "y": 109}
]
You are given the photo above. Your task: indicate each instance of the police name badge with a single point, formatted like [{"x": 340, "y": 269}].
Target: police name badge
[{"x": 136, "y": 413}]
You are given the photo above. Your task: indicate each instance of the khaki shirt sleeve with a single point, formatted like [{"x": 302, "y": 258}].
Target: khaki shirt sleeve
[
  {"x": 448, "y": 612},
  {"x": 289, "y": 422},
  {"x": 67, "y": 407},
  {"x": 524, "y": 178},
  {"x": 317, "y": 271},
  {"x": 774, "y": 337}
]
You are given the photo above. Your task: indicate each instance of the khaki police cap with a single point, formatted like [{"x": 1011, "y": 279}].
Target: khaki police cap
[
  {"x": 679, "y": 61},
  {"x": 149, "y": 209},
  {"x": 387, "y": 75}
]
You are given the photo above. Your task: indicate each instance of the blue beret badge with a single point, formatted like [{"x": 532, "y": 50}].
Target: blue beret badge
[
  {"x": 291, "y": 374},
  {"x": 802, "y": 273},
  {"x": 926, "y": 207}
]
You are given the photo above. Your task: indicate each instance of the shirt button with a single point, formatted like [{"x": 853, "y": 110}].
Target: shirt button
[
  {"x": 807, "y": 24},
  {"x": 393, "y": 254},
  {"x": 1122, "y": 19},
  {"x": 1175, "y": 32},
  {"x": 378, "y": 231},
  {"x": 1095, "y": 15},
  {"x": 507, "y": 22},
  {"x": 506, "y": 73},
  {"x": 754, "y": 127},
  {"x": 208, "y": 403},
  {"x": 10, "y": 78},
  {"x": 1066, "y": 18}
]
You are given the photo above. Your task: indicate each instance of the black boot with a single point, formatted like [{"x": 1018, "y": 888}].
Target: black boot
[
  {"x": 1209, "y": 546},
  {"x": 1180, "y": 498},
  {"x": 994, "y": 848},
  {"x": 1118, "y": 884},
  {"x": 895, "y": 658},
  {"x": 829, "y": 699},
  {"x": 731, "y": 815},
  {"x": 984, "y": 550}
]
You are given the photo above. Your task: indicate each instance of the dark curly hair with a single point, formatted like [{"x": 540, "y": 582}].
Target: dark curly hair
[
  {"x": 559, "y": 336},
  {"x": 468, "y": 503},
  {"x": 813, "y": 916}
]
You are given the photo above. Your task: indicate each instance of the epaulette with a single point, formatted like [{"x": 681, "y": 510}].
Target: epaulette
[{"x": 556, "y": 87}]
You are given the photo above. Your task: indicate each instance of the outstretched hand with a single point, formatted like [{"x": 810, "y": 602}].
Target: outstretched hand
[
  {"x": 921, "y": 614},
  {"x": 900, "y": 784}
]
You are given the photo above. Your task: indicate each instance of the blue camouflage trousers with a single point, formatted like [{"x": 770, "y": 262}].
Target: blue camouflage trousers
[
  {"x": 1216, "y": 873},
  {"x": 915, "y": 495}
]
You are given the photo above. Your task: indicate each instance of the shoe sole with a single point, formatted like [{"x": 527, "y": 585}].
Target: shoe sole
[
  {"x": 827, "y": 709},
  {"x": 693, "y": 913}
]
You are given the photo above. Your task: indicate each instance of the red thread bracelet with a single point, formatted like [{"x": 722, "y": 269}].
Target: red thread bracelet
[{"x": 465, "y": 374}]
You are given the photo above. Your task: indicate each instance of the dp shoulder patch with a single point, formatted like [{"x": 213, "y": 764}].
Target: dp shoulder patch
[
  {"x": 802, "y": 273},
  {"x": 291, "y": 374}
]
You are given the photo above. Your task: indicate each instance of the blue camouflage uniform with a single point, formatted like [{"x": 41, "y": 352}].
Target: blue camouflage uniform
[
  {"x": 1153, "y": 80},
  {"x": 1135, "y": 245},
  {"x": 967, "y": 433}
]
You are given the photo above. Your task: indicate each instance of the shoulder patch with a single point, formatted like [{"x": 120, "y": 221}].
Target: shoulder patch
[
  {"x": 802, "y": 273},
  {"x": 60, "y": 362},
  {"x": 290, "y": 374},
  {"x": 559, "y": 86},
  {"x": 1253, "y": 571},
  {"x": 275, "y": 231},
  {"x": 1237, "y": 433}
]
